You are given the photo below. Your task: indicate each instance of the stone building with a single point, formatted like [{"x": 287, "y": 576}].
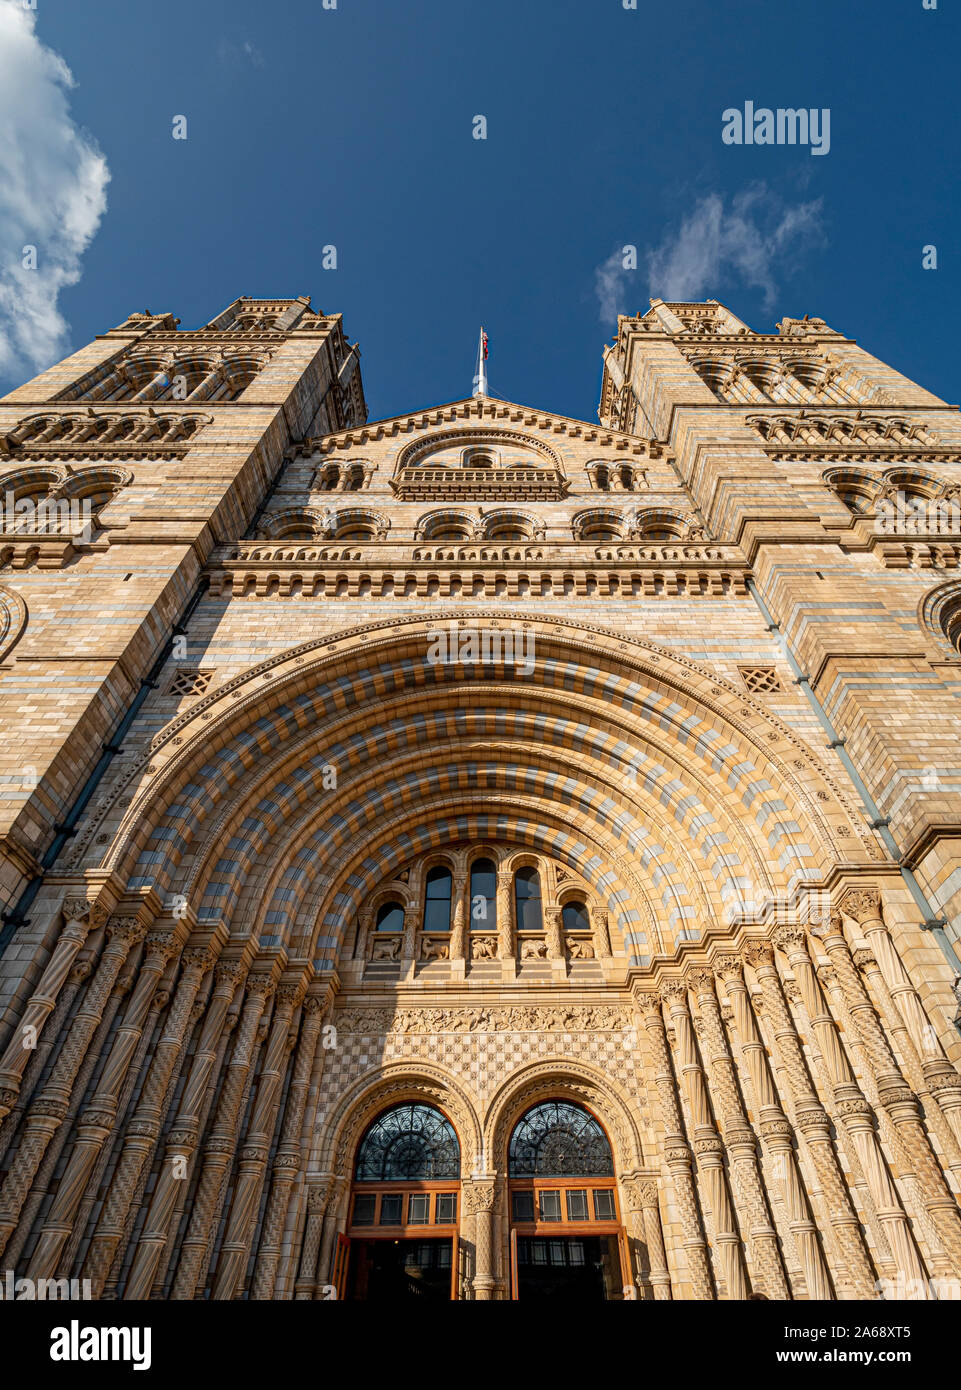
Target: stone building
[{"x": 480, "y": 853}]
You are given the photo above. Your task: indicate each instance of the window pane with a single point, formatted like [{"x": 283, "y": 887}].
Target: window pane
[
  {"x": 549, "y": 1204},
  {"x": 523, "y": 1206},
  {"x": 540, "y": 1251},
  {"x": 437, "y": 900},
  {"x": 527, "y": 899},
  {"x": 408, "y": 1143},
  {"x": 559, "y": 1139},
  {"x": 365, "y": 1205},
  {"x": 577, "y": 1204},
  {"x": 483, "y": 895},
  {"x": 390, "y": 917},
  {"x": 418, "y": 1209},
  {"x": 575, "y": 1251},
  {"x": 446, "y": 1209},
  {"x": 575, "y": 917},
  {"x": 604, "y": 1204},
  {"x": 391, "y": 1209}
]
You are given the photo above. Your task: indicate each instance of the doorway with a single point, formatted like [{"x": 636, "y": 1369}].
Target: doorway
[
  {"x": 585, "y": 1268},
  {"x": 392, "y": 1271}
]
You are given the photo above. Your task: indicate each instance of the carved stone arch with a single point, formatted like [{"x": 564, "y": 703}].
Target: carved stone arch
[
  {"x": 939, "y": 615},
  {"x": 431, "y": 522},
  {"x": 90, "y": 480},
  {"x": 13, "y": 621},
  {"x": 611, "y": 518},
  {"x": 565, "y": 1078},
  {"x": 528, "y": 522},
  {"x": 917, "y": 479},
  {"x": 40, "y": 478},
  {"x": 394, "y": 1084}
]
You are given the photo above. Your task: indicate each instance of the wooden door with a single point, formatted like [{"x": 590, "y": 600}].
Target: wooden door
[{"x": 340, "y": 1265}]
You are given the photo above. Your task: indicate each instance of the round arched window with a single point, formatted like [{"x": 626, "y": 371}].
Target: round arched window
[
  {"x": 409, "y": 1143},
  {"x": 527, "y": 900},
  {"x": 483, "y": 895},
  {"x": 390, "y": 917},
  {"x": 437, "y": 897},
  {"x": 575, "y": 917},
  {"x": 558, "y": 1139}
]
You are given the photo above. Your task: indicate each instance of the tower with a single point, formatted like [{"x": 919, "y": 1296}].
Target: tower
[{"x": 480, "y": 853}]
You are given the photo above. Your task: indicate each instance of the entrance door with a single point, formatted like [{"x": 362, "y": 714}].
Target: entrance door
[
  {"x": 586, "y": 1268},
  {"x": 392, "y": 1271}
]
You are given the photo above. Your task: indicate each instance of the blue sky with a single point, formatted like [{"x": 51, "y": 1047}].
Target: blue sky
[{"x": 353, "y": 127}]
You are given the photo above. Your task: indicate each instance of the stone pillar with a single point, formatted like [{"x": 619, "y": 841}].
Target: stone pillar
[
  {"x": 182, "y": 1139},
  {"x": 857, "y": 1280},
  {"x": 677, "y": 1151},
  {"x": 205, "y": 389},
  {"x": 707, "y": 1142},
  {"x": 739, "y": 1138},
  {"x": 653, "y": 1277},
  {"x": 460, "y": 924},
  {"x": 79, "y": 916},
  {"x": 555, "y": 936},
  {"x": 48, "y": 1111},
  {"x": 895, "y": 1095},
  {"x": 601, "y": 930},
  {"x": 506, "y": 938},
  {"x": 97, "y": 1121},
  {"x": 318, "y": 1195},
  {"x": 776, "y": 1131},
  {"x": 143, "y": 1129},
  {"x": 220, "y": 1144},
  {"x": 857, "y": 1115},
  {"x": 478, "y": 1198},
  {"x": 256, "y": 1148},
  {"x": 944, "y": 1083},
  {"x": 289, "y": 1156}
]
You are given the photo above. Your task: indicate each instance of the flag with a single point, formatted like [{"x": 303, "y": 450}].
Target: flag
[{"x": 484, "y": 335}]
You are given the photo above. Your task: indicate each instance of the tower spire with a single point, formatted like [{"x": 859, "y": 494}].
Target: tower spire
[{"x": 480, "y": 376}]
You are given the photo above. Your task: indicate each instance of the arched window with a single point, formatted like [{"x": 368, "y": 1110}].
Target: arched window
[
  {"x": 409, "y": 1143},
  {"x": 483, "y": 895},
  {"x": 390, "y": 917},
  {"x": 437, "y": 900},
  {"x": 557, "y": 1139},
  {"x": 575, "y": 917},
  {"x": 527, "y": 899}
]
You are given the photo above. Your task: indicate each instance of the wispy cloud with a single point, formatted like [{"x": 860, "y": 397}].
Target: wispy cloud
[
  {"x": 758, "y": 236},
  {"x": 240, "y": 54},
  {"x": 53, "y": 183},
  {"x": 751, "y": 241}
]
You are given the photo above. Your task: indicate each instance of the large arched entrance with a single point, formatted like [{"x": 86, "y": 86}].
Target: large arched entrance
[
  {"x": 566, "y": 1237},
  {"x": 401, "y": 1239}
]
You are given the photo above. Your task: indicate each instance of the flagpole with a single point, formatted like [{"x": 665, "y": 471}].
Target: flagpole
[{"x": 480, "y": 376}]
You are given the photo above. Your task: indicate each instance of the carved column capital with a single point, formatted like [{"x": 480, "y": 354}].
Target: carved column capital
[{"x": 863, "y": 904}]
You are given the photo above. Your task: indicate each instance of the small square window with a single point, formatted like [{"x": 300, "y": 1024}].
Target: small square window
[
  {"x": 603, "y": 1204},
  {"x": 443, "y": 1256},
  {"x": 446, "y": 1208},
  {"x": 391, "y": 1209},
  {"x": 365, "y": 1205},
  {"x": 577, "y": 1204},
  {"x": 539, "y": 1250},
  {"x": 575, "y": 1252},
  {"x": 523, "y": 1206},
  {"x": 418, "y": 1209},
  {"x": 558, "y": 1253},
  {"x": 549, "y": 1204}
]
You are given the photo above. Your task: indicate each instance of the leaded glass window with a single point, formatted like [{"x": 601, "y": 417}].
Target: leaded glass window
[
  {"x": 483, "y": 895},
  {"x": 557, "y": 1139},
  {"x": 410, "y": 1143}
]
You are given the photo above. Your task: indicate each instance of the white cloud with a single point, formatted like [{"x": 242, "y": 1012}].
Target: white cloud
[
  {"x": 236, "y": 54},
  {"x": 716, "y": 246},
  {"x": 53, "y": 183},
  {"x": 758, "y": 236}
]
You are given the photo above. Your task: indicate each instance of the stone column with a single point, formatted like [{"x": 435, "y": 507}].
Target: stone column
[
  {"x": 460, "y": 924},
  {"x": 289, "y": 1157},
  {"x": 80, "y": 916},
  {"x": 776, "y": 1131},
  {"x": 895, "y": 1095},
  {"x": 555, "y": 936},
  {"x": 47, "y": 1112},
  {"x": 182, "y": 1139},
  {"x": 479, "y": 1198},
  {"x": 944, "y": 1083},
  {"x": 856, "y": 1113},
  {"x": 707, "y": 1142},
  {"x": 256, "y": 1148},
  {"x": 143, "y": 1129},
  {"x": 332, "y": 1220},
  {"x": 318, "y": 1195},
  {"x": 646, "y": 1230},
  {"x": 739, "y": 1139},
  {"x": 97, "y": 1121},
  {"x": 205, "y": 389},
  {"x": 857, "y": 1280},
  {"x": 220, "y": 1144},
  {"x": 677, "y": 1151},
  {"x": 506, "y": 939},
  {"x": 601, "y": 930}
]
